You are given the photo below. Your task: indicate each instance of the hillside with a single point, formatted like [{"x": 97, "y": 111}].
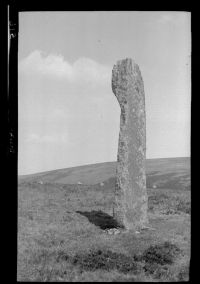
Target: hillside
[{"x": 161, "y": 173}]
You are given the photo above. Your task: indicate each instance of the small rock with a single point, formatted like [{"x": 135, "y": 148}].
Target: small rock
[
  {"x": 110, "y": 232},
  {"x": 116, "y": 232},
  {"x": 101, "y": 184},
  {"x": 147, "y": 228},
  {"x": 113, "y": 231},
  {"x": 79, "y": 182}
]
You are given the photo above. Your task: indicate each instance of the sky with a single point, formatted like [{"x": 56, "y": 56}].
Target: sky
[{"x": 68, "y": 115}]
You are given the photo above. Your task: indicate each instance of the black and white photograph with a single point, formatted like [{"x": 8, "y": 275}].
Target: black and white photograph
[{"x": 103, "y": 158}]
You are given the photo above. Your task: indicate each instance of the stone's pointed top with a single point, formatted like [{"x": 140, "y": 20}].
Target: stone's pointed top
[
  {"x": 124, "y": 71},
  {"x": 126, "y": 66},
  {"x": 125, "y": 62}
]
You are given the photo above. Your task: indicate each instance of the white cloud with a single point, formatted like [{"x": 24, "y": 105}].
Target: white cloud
[
  {"x": 82, "y": 70},
  {"x": 53, "y": 138},
  {"x": 165, "y": 18},
  {"x": 32, "y": 137},
  {"x": 43, "y": 114},
  {"x": 175, "y": 18},
  {"x": 58, "y": 112}
]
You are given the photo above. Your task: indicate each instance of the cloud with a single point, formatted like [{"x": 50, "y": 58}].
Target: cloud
[
  {"x": 55, "y": 114},
  {"x": 166, "y": 18},
  {"x": 43, "y": 113},
  {"x": 53, "y": 138},
  {"x": 175, "y": 18},
  {"x": 82, "y": 70},
  {"x": 58, "y": 113}
]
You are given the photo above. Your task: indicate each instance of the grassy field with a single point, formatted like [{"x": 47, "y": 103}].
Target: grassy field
[{"x": 64, "y": 217}]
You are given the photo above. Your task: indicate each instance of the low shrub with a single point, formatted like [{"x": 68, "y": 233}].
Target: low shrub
[
  {"x": 106, "y": 260},
  {"x": 161, "y": 254},
  {"x": 157, "y": 256},
  {"x": 184, "y": 206},
  {"x": 169, "y": 204}
]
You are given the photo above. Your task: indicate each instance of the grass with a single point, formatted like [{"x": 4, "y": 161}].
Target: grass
[
  {"x": 62, "y": 234},
  {"x": 167, "y": 202}
]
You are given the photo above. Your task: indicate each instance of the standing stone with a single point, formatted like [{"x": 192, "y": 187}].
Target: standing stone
[{"x": 130, "y": 209}]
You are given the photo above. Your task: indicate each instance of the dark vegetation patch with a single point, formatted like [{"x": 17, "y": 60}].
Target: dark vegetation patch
[
  {"x": 106, "y": 260},
  {"x": 159, "y": 255},
  {"x": 100, "y": 219},
  {"x": 184, "y": 273},
  {"x": 155, "y": 261},
  {"x": 184, "y": 206}
]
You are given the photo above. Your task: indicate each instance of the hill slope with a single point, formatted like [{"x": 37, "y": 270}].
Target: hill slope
[{"x": 162, "y": 173}]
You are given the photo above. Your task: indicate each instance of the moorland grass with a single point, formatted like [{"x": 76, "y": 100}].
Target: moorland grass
[{"x": 61, "y": 235}]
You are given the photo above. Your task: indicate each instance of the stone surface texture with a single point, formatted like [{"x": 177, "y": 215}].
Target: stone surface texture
[{"x": 131, "y": 201}]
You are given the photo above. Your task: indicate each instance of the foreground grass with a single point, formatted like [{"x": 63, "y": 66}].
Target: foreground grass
[{"x": 61, "y": 236}]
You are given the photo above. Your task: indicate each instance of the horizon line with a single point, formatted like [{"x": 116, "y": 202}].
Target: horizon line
[{"x": 82, "y": 165}]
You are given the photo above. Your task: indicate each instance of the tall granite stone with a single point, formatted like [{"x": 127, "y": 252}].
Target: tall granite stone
[{"x": 130, "y": 208}]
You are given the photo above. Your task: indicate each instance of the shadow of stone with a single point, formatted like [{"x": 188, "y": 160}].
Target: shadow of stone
[{"x": 100, "y": 219}]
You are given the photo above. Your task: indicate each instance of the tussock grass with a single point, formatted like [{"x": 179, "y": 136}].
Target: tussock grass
[{"x": 169, "y": 202}]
